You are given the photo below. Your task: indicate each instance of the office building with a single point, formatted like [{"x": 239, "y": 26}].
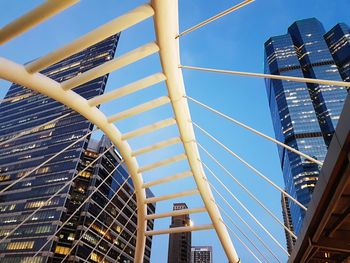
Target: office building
[
  {"x": 107, "y": 223},
  {"x": 201, "y": 254},
  {"x": 180, "y": 243},
  {"x": 24, "y": 110},
  {"x": 304, "y": 115},
  {"x": 338, "y": 41}
]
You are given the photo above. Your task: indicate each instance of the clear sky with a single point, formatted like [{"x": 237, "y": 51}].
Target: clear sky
[{"x": 233, "y": 42}]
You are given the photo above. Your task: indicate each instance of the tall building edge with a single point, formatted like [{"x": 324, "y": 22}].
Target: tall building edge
[{"x": 304, "y": 115}]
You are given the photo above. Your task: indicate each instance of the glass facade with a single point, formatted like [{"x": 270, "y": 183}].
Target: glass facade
[
  {"x": 338, "y": 40},
  {"x": 106, "y": 235},
  {"x": 24, "y": 109},
  {"x": 304, "y": 115}
]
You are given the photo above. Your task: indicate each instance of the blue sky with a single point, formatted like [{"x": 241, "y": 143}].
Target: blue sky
[{"x": 233, "y": 42}]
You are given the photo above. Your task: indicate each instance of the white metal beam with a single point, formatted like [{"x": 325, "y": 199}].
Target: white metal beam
[
  {"x": 117, "y": 25},
  {"x": 164, "y": 162},
  {"x": 167, "y": 28},
  {"x": 170, "y": 196},
  {"x": 149, "y": 128},
  {"x": 176, "y": 213},
  {"x": 17, "y": 73},
  {"x": 139, "y": 109},
  {"x": 156, "y": 146},
  {"x": 182, "y": 229},
  {"x": 127, "y": 89},
  {"x": 111, "y": 65},
  {"x": 32, "y": 18},
  {"x": 167, "y": 179}
]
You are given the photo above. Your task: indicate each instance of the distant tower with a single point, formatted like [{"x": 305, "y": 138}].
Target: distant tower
[
  {"x": 304, "y": 115},
  {"x": 180, "y": 243},
  {"x": 201, "y": 254}
]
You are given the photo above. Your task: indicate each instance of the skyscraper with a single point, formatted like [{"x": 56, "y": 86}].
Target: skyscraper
[
  {"x": 180, "y": 243},
  {"x": 105, "y": 234},
  {"x": 201, "y": 254},
  {"x": 304, "y": 115},
  {"x": 338, "y": 40},
  {"x": 23, "y": 110}
]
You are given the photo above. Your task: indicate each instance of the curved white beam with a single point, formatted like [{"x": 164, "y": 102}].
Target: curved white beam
[
  {"x": 166, "y": 26},
  {"x": 16, "y": 73},
  {"x": 34, "y": 17},
  {"x": 117, "y": 25}
]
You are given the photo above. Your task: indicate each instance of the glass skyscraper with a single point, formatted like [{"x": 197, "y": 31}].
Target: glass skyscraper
[
  {"x": 24, "y": 110},
  {"x": 304, "y": 115},
  {"x": 338, "y": 40},
  {"x": 109, "y": 235}
]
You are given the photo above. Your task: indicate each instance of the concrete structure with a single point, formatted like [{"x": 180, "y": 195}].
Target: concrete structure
[{"x": 179, "y": 250}]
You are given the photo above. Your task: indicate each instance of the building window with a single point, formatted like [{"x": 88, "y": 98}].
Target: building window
[
  {"x": 62, "y": 250},
  {"x": 20, "y": 245}
]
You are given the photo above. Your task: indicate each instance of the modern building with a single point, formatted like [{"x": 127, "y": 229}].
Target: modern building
[
  {"x": 201, "y": 254},
  {"x": 304, "y": 115},
  {"x": 338, "y": 41},
  {"x": 21, "y": 113},
  {"x": 180, "y": 243},
  {"x": 287, "y": 218},
  {"x": 107, "y": 223}
]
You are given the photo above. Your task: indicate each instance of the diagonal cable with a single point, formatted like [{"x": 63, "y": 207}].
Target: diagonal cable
[
  {"x": 213, "y": 18},
  {"x": 256, "y": 132},
  {"x": 99, "y": 214},
  {"x": 250, "y": 166},
  {"x": 35, "y": 129},
  {"x": 126, "y": 245},
  {"x": 247, "y": 191},
  {"x": 242, "y": 233},
  {"x": 87, "y": 199},
  {"x": 242, "y": 242},
  {"x": 245, "y": 209},
  {"x": 271, "y": 76},
  {"x": 54, "y": 195},
  {"x": 243, "y": 221},
  {"x": 121, "y": 231}
]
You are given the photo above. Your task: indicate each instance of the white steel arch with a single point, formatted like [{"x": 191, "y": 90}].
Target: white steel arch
[{"x": 166, "y": 27}]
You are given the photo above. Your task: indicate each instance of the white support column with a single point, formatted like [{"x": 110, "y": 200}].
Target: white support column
[{"x": 166, "y": 25}]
